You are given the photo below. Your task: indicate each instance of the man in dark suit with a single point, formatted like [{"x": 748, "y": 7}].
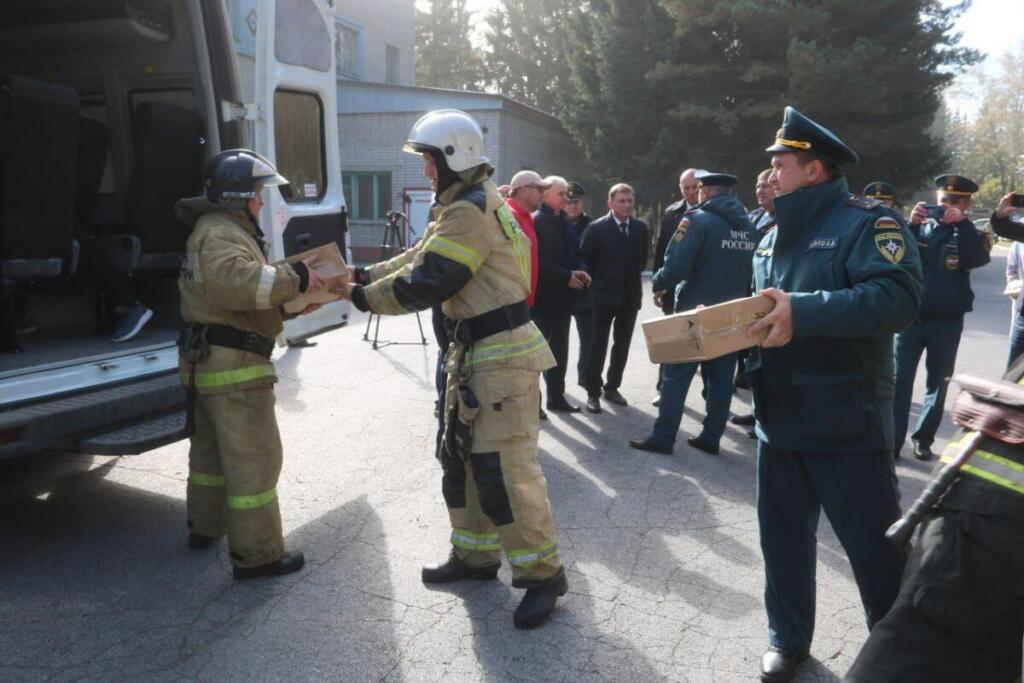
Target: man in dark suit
[
  {"x": 689, "y": 188},
  {"x": 558, "y": 254},
  {"x": 615, "y": 248}
]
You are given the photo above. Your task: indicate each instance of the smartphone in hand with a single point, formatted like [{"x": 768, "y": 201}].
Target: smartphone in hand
[
  {"x": 1017, "y": 200},
  {"x": 935, "y": 211}
]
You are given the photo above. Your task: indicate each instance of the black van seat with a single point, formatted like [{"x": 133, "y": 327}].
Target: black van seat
[
  {"x": 93, "y": 150},
  {"x": 38, "y": 164},
  {"x": 167, "y": 167}
]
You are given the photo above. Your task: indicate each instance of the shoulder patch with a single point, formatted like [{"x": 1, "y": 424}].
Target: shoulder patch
[
  {"x": 887, "y": 223},
  {"x": 863, "y": 202},
  {"x": 890, "y": 245},
  {"x": 475, "y": 195}
]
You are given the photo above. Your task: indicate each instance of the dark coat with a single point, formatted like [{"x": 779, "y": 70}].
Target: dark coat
[
  {"x": 615, "y": 264},
  {"x": 709, "y": 259},
  {"x": 669, "y": 223},
  {"x": 558, "y": 254},
  {"x": 853, "y": 274},
  {"x": 948, "y": 254}
]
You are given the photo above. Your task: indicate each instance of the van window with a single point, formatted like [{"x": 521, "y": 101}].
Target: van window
[
  {"x": 300, "y": 35},
  {"x": 299, "y": 145}
]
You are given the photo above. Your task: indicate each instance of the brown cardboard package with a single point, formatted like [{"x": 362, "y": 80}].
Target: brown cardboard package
[
  {"x": 705, "y": 333},
  {"x": 329, "y": 265}
]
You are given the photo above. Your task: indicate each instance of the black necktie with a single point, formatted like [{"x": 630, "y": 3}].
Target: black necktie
[{"x": 624, "y": 227}]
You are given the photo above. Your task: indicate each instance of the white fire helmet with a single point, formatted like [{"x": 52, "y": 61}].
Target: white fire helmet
[{"x": 451, "y": 132}]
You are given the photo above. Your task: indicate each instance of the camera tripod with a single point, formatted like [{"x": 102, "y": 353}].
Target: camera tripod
[{"x": 392, "y": 243}]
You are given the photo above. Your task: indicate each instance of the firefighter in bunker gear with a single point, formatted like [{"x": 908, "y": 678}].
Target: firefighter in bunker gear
[
  {"x": 476, "y": 260},
  {"x": 230, "y": 300}
]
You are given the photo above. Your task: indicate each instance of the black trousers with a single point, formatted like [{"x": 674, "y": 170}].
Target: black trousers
[
  {"x": 618, "y": 323},
  {"x": 584, "y": 329},
  {"x": 959, "y": 614},
  {"x": 555, "y": 328}
]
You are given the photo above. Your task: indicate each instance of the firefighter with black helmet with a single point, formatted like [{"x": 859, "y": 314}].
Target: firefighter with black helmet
[
  {"x": 231, "y": 301},
  {"x": 476, "y": 260}
]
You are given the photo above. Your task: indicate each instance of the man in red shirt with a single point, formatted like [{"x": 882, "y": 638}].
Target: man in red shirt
[{"x": 525, "y": 196}]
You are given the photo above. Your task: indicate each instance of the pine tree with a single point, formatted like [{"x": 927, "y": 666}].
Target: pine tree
[
  {"x": 525, "y": 56},
  {"x": 445, "y": 58}
]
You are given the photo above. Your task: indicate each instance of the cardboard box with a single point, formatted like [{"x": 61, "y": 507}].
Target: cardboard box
[
  {"x": 331, "y": 266},
  {"x": 705, "y": 333}
]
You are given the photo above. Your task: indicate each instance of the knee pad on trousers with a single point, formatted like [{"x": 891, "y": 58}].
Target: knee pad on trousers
[{"x": 490, "y": 484}]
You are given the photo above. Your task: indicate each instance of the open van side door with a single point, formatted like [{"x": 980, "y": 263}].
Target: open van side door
[{"x": 297, "y": 127}]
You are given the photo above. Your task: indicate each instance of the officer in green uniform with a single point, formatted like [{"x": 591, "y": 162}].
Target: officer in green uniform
[
  {"x": 951, "y": 247},
  {"x": 475, "y": 261},
  {"x": 845, "y": 276},
  {"x": 231, "y": 302},
  {"x": 960, "y": 611},
  {"x": 707, "y": 262},
  {"x": 882, "y": 191}
]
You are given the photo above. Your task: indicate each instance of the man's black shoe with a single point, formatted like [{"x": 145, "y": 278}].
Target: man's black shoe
[
  {"x": 779, "y": 666},
  {"x": 455, "y": 570},
  {"x": 702, "y": 445},
  {"x": 286, "y": 564},
  {"x": 538, "y": 603},
  {"x": 542, "y": 415},
  {"x": 752, "y": 433},
  {"x": 613, "y": 396},
  {"x": 199, "y": 542},
  {"x": 656, "y": 401},
  {"x": 651, "y": 445},
  {"x": 593, "y": 404},
  {"x": 743, "y": 420},
  {"x": 922, "y": 452},
  {"x": 560, "y": 405}
]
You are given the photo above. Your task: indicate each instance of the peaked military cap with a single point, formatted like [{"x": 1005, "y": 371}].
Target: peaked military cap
[
  {"x": 576, "y": 190},
  {"x": 880, "y": 190},
  {"x": 956, "y": 184},
  {"x": 801, "y": 134},
  {"x": 712, "y": 179}
]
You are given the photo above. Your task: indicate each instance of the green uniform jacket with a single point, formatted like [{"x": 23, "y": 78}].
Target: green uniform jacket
[
  {"x": 472, "y": 259},
  {"x": 853, "y": 273},
  {"x": 226, "y": 280}
]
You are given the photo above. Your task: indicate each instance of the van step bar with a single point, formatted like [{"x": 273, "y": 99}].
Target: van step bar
[{"x": 138, "y": 437}]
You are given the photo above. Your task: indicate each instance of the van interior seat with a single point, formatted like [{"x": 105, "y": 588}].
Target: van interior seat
[
  {"x": 93, "y": 150},
  {"x": 168, "y": 158},
  {"x": 38, "y": 168}
]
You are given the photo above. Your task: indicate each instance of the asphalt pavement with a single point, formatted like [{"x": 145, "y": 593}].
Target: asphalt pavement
[{"x": 662, "y": 552}]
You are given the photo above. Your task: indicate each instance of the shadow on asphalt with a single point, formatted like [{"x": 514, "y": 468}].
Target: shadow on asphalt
[{"x": 148, "y": 608}]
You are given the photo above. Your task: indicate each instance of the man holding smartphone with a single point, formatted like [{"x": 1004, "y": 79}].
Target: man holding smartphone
[{"x": 950, "y": 248}]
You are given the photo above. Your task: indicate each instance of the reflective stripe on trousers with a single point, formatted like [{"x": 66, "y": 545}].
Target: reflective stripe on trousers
[{"x": 467, "y": 540}]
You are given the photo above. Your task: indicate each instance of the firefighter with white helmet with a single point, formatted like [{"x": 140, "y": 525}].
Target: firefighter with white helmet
[{"x": 475, "y": 260}]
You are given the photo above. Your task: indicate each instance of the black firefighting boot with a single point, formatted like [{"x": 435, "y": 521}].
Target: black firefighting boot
[
  {"x": 286, "y": 564},
  {"x": 455, "y": 570},
  {"x": 539, "y": 602}
]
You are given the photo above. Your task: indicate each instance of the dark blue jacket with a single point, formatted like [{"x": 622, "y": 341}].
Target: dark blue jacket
[
  {"x": 853, "y": 273},
  {"x": 616, "y": 264},
  {"x": 708, "y": 259},
  {"x": 558, "y": 255},
  {"x": 669, "y": 222},
  {"x": 948, "y": 254}
]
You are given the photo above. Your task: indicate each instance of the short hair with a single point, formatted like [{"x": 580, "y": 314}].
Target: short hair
[
  {"x": 805, "y": 157},
  {"x": 617, "y": 188},
  {"x": 556, "y": 180},
  {"x": 764, "y": 174}
]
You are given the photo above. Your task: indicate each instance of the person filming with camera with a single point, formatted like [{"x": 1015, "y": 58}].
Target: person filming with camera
[{"x": 950, "y": 248}]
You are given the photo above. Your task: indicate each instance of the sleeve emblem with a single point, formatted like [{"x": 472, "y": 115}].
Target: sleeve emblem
[
  {"x": 890, "y": 245},
  {"x": 886, "y": 223}
]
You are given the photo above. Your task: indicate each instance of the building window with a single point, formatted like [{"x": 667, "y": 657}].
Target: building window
[
  {"x": 348, "y": 51},
  {"x": 368, "y": 195},
  {"x": 393, "y": 62},
  {"x": 299, "y": 145}
]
